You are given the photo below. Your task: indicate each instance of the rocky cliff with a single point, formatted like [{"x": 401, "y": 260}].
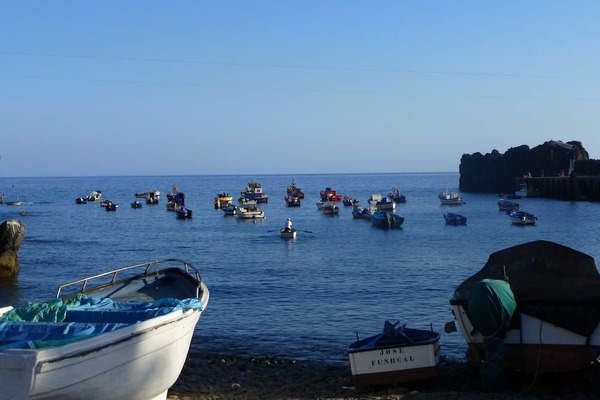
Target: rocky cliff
[{"x": 496, "y": 173}]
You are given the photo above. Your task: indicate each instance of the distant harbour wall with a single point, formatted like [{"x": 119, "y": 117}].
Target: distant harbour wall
[{"x": 574, "y": 188}]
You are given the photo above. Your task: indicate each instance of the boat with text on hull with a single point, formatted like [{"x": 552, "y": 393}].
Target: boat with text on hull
[
  {"x": 397, "y": 355},
  {"x": 120, "y": 334},
  {"x": 556, "y": 324}
]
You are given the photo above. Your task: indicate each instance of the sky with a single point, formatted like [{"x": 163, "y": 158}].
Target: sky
[{"x": 105, "y": 88}]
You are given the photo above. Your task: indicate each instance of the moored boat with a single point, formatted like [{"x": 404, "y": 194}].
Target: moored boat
[
  {"x": 455, "y": 219},
  {"x": 359, "y": 212},
  {"x": 230, "y": 210},
  {"x": 397, "y": 355},
  {"x": 254, "y": 191},
  {"x": 111, "y": 206},
  {"x": 348, "y": 201},
  {"x": 175, "y": 196},
  {"x": 111, "y": 335},
  {"x": 330, "y": 207},
  {"x": 507, "y": 205},
  {"x": 136, "y": 204},
  {"x": 330, "y": 195},
  {"x": 388, "y": 220},
  {"x": 294, "y": 190},
  {"x": 396, "y": 196},
  {"x": 250, "y": 212},
  {"x": 94, "y": 195},
  {"x": 81, "y": 200},
  {"x": 151, "y": 197},
  {"x": 522, "y": 218},
  {"x": 292, "y": 201},
  {"x": 223, "y": 199},
  {"x": 450, "y": 198},
  {"x": 556, "y": 324},
  {"x": 184, "y": 213}
]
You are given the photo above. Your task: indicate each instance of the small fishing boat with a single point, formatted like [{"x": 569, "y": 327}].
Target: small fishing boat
[
  {"x": 151, "y": 197},
  {"x": 15, "y": 203},
  {"x": 450, "y": 198},
  {"x": 250, "y": 212},
  {"x": 359, "y": 212},
  {"x": 507, "y": 205},
  {"x": 330, "y": 195},
  {"x": 112, "y": 207},
  {"x": 455, "y": 219},
  {"x": 80, "y": 200},
  {"x": 292, "y": 201},
  {"x": 121, "y": 334},
  {"x": 175, "y": 196},
  {"x": 230, "y": 210},
  {"x": 223, "y": 199},
  {"x": 320, "y": 204},
  {"x": 294, "y": 190},
  {"x": 244, "y": 202},
  {"x": 288, "y": 233},
  {"x": 385, "y": 204},
  {"x": 396, "y": 196},
  {"x": 330, "y": 207},
  {"x": 136, "y": 204},
  {"x": 397, "y": 355},
  {"x": 348, "y": 201},
  {"x": 522, "y": 218},
  {"x": 388, "y": 220},
  {"x": 373, "y": 200},
  {"x": 254, "y": 191},
  {"x": 94, "y": 195},
  {"x": 184, "y": 213}
]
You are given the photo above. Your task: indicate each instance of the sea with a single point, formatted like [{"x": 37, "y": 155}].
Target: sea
[{"x": 304, "y": 299}]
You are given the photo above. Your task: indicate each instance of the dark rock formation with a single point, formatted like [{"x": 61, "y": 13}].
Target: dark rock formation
[
  {"x": 496, "y": 173},
  {"x": 11, "y": 237}
]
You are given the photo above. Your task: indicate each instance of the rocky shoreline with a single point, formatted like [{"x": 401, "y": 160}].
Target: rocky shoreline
[{"x": 215, "y": 377}]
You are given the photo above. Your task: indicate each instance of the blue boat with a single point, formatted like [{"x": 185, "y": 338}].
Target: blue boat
[
  {"x": 522, "y": 218},
  {"x": 455, "y": 219},
  {"x": 360, "y": 212},
  {"x": 386, "y": 220},
  {"x": 507, "y": 205}
]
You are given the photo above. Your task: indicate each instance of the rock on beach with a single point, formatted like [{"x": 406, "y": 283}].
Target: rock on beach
[{"x": 215, "y": 377}]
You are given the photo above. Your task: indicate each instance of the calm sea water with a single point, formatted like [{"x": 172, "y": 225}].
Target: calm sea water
[{"x": 305, "y": 299}]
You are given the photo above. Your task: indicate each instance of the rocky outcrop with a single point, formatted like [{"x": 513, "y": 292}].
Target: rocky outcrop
[
  {"x": 11, "y": 238},
  {"x": 496, "y": 173}
]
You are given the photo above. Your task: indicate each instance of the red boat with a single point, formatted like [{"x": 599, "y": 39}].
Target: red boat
[{"x": 330, "y": 195}]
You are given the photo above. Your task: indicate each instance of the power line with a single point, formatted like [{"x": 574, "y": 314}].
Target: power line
[
  {"x": 306, "y": 67},
  {"x": 292, "y": 89}
]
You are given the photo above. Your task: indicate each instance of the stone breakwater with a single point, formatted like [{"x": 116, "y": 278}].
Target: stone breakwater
[{"x": 213, "y": 377}]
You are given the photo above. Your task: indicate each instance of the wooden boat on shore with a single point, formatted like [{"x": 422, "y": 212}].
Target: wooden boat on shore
[
  {"x": 556, "y": 325},
  {"x": 122, "y": 334},
  {"x": 397, "y": 355}
]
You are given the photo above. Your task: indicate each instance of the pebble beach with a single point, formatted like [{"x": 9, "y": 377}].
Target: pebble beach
[{"x": 213, "y": 377}]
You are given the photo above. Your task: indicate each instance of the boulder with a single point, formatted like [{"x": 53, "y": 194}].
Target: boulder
[
  {"x": 11, "y": 238},
  {"x": 497, "y": 173}
]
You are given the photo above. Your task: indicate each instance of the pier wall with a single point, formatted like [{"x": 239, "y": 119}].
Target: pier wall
[{"x": 576, "y": 188}]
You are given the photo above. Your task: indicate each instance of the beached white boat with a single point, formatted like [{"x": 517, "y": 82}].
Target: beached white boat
[
  {"x": 396, "y": 355},
  {"x": 556, "y": 325},
  {"x": 123, "y": 334}
]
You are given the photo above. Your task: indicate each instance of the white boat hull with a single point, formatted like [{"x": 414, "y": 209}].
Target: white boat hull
[
  {"x": 537, "y": 346},
  {"x": 393, "y": 365},
  {"x": 138, "y": 362}
]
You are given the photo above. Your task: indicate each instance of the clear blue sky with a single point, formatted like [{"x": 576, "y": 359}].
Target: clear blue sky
[{"x": 260, "y": 87}]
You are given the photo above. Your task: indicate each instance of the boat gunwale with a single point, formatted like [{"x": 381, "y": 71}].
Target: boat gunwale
[{"x": 185, "y": 270}]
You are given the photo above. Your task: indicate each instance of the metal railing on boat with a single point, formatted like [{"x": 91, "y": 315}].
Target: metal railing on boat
[{"x": 194, "y": 274}]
